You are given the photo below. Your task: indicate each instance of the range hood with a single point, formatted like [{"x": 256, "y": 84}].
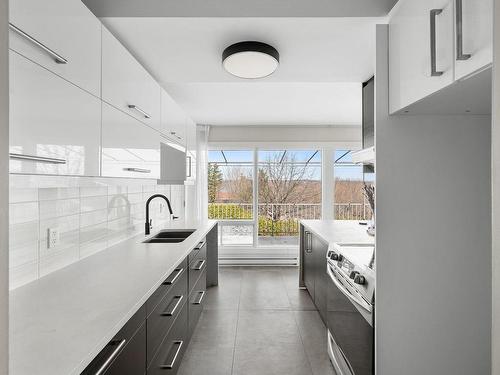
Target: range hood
[{"x": 364, "y": 156}]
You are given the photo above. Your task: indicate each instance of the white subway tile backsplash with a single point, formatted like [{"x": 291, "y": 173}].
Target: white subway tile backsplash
[{"x": 91, "y": 214}]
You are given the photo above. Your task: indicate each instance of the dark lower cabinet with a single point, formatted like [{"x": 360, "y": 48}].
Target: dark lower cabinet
[
  {"x": 154, "y": 340},
  {"x": 314, "y": 270}
]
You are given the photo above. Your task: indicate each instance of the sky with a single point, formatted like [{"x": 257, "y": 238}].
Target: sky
[{"x": 347, "y": 172}]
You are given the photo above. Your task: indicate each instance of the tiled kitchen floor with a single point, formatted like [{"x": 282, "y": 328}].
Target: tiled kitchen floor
[{"x": 258, "y": 322}]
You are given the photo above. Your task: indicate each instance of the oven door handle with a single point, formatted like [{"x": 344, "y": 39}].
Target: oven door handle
[{"x": 358, "y": 301}]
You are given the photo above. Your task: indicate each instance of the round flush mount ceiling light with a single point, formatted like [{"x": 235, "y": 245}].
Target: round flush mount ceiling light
[{"x": 250, "y": 59}]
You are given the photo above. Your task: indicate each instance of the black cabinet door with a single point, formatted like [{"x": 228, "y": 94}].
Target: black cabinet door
[
  {"x": 309, "y": 264},
  {"x": 320, "y": 276}
]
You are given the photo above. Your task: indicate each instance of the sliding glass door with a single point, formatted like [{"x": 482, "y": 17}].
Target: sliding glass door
[{"x": 263, "y": 212}]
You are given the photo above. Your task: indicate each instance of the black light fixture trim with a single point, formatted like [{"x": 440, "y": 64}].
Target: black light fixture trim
[{"x": 251, "y": 46}]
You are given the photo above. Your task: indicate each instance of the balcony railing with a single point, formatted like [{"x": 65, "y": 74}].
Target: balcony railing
[{"x": 282, "y": 219}]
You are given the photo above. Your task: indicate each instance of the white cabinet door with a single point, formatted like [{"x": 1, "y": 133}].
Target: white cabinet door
[
  {"x": 191, "y": 150},
  {"x": 65, "y": 27},
  {"x": 173, "y": 163},
  {"x": 410, "y": 58},
  {"x": 474, "y": 34},
  {"x": 129, "y": 148},
  {"x": 126, "y": 84},
  {"x": 173, "y": 119},
  {"x": 50, "y": 117}
]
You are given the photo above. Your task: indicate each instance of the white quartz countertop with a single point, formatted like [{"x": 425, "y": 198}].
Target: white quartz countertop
[
  {"x": 339, "y": 231},
  {"x": 60, "y": 322}
]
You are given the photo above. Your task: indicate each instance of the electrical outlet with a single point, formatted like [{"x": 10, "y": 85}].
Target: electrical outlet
[{"x": 52, "y": 237}]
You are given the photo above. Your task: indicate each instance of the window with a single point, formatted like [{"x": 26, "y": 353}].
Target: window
[
  {"x": 265, "y": 211},
  {"x": 349, "y": 196}
]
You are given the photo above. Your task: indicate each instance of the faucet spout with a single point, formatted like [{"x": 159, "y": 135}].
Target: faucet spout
[{"x": 148, "y": 224}]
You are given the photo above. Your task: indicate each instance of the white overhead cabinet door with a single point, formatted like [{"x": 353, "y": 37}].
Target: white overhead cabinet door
[
  {"x": 129, "y": 148},
  {"x": 51, "y": 118},
  {"x": 173, "y": 119},
  {"x": 61, "y": 35},
  {"x": 420, "y": 50},
  {"x": 474, "y": 36},
  {"x": 126, "y": 84}
]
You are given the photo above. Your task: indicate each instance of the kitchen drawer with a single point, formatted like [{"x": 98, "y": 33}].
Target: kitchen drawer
[
  {"x": 129, "y": 148},
  {"x": 161, "y": 319},
  {"x": 66, "y": 27},
  {"x": 197, "y": 267},
  {"x": 167, "y": 285},
  {"x": 51, "y": 118},
  {"x": 196, "y": 301},
  {"x": 194, "y": 253},
  {"x": 169, "y": 355},
  {"x": 126, "y": 353},
  {"x": 125, "y": 83}
]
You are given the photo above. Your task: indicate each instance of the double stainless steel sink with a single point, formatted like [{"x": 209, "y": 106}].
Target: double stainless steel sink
[{"x": 170, "y": 236}]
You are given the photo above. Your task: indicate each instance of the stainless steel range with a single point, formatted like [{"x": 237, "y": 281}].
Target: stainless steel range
[{"x": 351, "y": 303}]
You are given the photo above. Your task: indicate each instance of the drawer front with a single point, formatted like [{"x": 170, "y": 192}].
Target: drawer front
[
  {"x": 196, "y": 298},
  {"x": 161, "y": 319},
  {"x": 126, "y": 353},
  {"x": 43, "y": 123},
  {"x": 64, "y": 27},
  {"x": 127, "y": 85},
  {"x": 163, "y": 289},
  {"x": 169, "y": 356},
  {"x": 129, "y": 148},
  {"x": 197, "y": 266}
]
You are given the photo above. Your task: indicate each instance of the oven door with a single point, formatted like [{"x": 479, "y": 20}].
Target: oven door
[{"x": 350, "y": 326}]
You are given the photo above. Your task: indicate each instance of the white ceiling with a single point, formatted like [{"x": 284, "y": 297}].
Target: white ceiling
[{"x": 318, "y": 56}]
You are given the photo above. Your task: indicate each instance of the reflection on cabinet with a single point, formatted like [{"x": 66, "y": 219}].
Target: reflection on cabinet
[
  {"x": 43, "y": 122},
  {"x": 417, "y": 68},
  {"x": 67, "y": 30},
  {"x": 473, "y": 33},
  {"x": 129, "y": 148},
  {"x": 173, "y": 159},
  {"x": 126, "y": 84},
  {"x": 434, "y": 43}
]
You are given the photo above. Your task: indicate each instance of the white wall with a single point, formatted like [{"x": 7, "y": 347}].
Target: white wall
[
  {"x": 433, "y": 239},
  {"x": 4, "y": 186},
  {"x": 285, "y": 136},
  {"x": 496, "y": 193}
]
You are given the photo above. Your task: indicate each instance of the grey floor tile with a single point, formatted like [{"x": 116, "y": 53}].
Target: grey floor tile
[
  {"x": 263, "y": 288},
  {"x": 215, "y": 328},
  {"x": 314, "y": 338},
  {"x": 283, "y": 359},
  {"x": 207, "y": 361},
  {"x": 225, "y": 296}
]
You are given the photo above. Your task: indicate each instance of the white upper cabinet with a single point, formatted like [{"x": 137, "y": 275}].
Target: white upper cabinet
[
  {"x": 191, "y": 150},
  {"x": 173, "y": 119},
  {"x": 54, "y": 125},
  {"x": 126, "y": 84},
  {"x": 473, "y": 33},
  {"x": 420, "y": 50},
  {"x": 61, "y": 35},
  {"x": 129, "y": 148}
]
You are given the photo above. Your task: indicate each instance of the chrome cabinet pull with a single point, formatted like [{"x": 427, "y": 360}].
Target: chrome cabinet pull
[
  {"x": 58, "y": 58},
  {"x": 433, "y": 14},
  {"x": 308, "y": 242},
  {"x": 200, "y": 245},
  {"x": 200, "y": 266},
  {"x": 113, "y": 355},
  {"x": 460, "y": 37},
  {"x": 200, "y": 298},
  {"x": 38, "y": 159},
  {"x": 138, "y": 170},
  {"x": 141, "y": 111},
  {"x": 178, "y": 272},
  {"x": 170, "y": 365},
  {"x": 176, "y": 306}
]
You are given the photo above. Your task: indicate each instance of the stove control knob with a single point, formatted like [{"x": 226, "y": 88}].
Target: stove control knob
[
  {"x": 341, "y": 258},
  {"x": 334, "y": 256},
  {"x": 353, "y": 274},
  {"x": 360, "y": 280}
]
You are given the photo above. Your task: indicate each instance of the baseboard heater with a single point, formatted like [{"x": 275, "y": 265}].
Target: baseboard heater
[{"x": 258, "y": 261}]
